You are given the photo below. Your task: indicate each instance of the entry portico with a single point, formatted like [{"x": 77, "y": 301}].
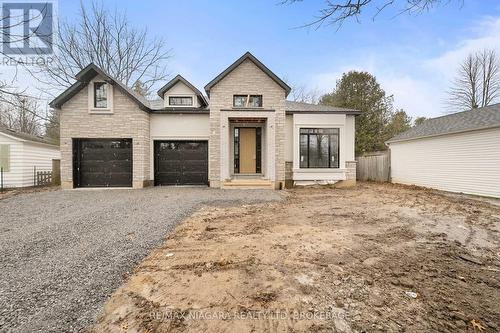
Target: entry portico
[{"x": 248, "y": 151}]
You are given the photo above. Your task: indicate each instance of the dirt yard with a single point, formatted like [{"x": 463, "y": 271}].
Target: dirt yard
[
  {"x": 377, "y": 258},
  {"x": 10, "y": 192}
]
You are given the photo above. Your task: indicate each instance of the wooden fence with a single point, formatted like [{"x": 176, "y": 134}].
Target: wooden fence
[
  {"x": 374, "y": 166},
  {"x": 43, "y": 178}
]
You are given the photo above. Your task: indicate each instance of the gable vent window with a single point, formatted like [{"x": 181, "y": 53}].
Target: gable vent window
[
  {"x": 247, "y": 101},
  {"x": 180, "y": 101},
  {"x": 100, "y": 95}
]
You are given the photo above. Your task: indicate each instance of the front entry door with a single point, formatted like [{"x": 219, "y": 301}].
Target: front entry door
[{"x": 248, "y": 150}]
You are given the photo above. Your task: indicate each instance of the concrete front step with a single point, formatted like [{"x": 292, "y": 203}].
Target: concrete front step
[{"x": 248, "y": 184}]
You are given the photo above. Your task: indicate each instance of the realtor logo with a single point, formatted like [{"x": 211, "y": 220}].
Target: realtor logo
[{"x": 27, "y": 27}]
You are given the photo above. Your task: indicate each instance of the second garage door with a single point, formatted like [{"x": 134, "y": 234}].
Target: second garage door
[{"x": 181, "y": 162}]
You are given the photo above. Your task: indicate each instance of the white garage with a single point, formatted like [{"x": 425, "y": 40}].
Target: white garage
[
  {"x": 22, "y": 155},
  {"x": 457, "y": 153}
]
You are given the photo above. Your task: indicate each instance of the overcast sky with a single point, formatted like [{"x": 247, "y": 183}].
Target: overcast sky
[{"x": 414, "y": 57}]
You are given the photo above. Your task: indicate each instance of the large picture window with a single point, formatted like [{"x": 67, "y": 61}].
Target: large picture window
[{"x": 319, "y": 147}]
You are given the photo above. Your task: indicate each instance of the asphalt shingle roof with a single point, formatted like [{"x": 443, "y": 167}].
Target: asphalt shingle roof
[
  {"x": 291, "y": 106},
  {"x": 481, "y": 118},
  {"x": 156, "y": 104},
  {"x": 24, "y": 136}
]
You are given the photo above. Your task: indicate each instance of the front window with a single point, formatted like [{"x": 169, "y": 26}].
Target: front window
[
  {"x": 319, "y": 147},
  {"x": 180, "y": 100},
  {"x": 247, "y": 101},
  {"x": 100, "y": 95}
]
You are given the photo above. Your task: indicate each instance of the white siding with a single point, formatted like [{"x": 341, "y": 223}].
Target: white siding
[
  {"x": 39, "y": 156},
  {"x": 14, "y": 177},
  {"x": 24, "y": 156},
  {"x": 467, "y": 162}
]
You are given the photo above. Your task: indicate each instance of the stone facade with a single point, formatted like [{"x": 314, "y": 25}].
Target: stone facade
[
  {"x": 247, "y": 78},
  {"x": 126, "y": 121},
  {"x": 350, "y": 175}
]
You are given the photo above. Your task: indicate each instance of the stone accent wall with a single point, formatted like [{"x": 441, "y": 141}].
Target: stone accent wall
[
  {"x": 127, "y": 121},
  {"x": 350, "y": 175},
  {"x": 351, "y": 170},
  {"x": 247, "y": 78}
]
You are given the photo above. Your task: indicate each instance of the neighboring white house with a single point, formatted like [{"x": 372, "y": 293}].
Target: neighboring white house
[
  {"x": 458, "y": 153},
  {"x": 20, "y": 154}
]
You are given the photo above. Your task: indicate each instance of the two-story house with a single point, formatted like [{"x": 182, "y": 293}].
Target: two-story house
[{"x": 243, "y": 133}]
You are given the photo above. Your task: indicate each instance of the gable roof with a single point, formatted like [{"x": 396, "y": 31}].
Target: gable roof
[
  {"x": 482, "y": 118},
  {"x": 179, "y": 78},
  {"x": 85, "y": 76},
  {"x": 238, "y": 62},
  {"x": 292, "y": 107},
  {"x": 26, "y": 137}
]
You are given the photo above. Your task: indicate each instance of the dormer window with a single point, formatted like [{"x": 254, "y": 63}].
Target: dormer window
[
  {"x": 180, "y": 100},
  {"x": 100, "y": 95},
  {"x": 247, "y": 101}
]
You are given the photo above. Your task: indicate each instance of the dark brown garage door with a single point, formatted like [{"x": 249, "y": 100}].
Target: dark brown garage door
[
  {"x": 181, "y": 162},
  {"x": 102, "y": 162}
]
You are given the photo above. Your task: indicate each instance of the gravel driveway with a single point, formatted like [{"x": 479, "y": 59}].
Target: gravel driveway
[{"x": 63, "y": 253}]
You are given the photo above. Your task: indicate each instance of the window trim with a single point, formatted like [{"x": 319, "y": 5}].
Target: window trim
[
  {"x": 247, "y": 101},
  {"x": 180, "y": 96},
  {"x": 91, "y": 98},
  {"x": 308, "y": 167}
]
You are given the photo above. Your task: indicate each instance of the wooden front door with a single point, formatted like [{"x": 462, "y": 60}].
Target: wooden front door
[{"x": 248, "y": 150}]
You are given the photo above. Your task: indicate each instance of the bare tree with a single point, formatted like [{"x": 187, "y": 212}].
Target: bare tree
[
  {"x": 21, "y": 114},
  {"x": 477, "y": 83},
  {"x": 107, "y": 39},
  {"x": 300, "y": 93},
  {"x": 335, "y": 12},
  {"x": 11, "y": 96}
]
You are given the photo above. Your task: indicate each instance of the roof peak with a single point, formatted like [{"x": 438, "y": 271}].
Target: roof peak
[
  {"x": 258, "y": 63},
  {"x": 179, "y": 78},
  {"x": 86, "y": 75}
]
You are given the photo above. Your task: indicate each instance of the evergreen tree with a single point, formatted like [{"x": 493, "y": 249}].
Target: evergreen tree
[{"x": 361, "y": 91}]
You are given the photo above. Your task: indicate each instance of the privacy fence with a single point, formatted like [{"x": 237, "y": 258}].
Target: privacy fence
[{"x": 375, "y": 166}]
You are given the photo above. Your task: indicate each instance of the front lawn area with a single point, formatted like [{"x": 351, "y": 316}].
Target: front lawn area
[{"x": 375, "y": 258}]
